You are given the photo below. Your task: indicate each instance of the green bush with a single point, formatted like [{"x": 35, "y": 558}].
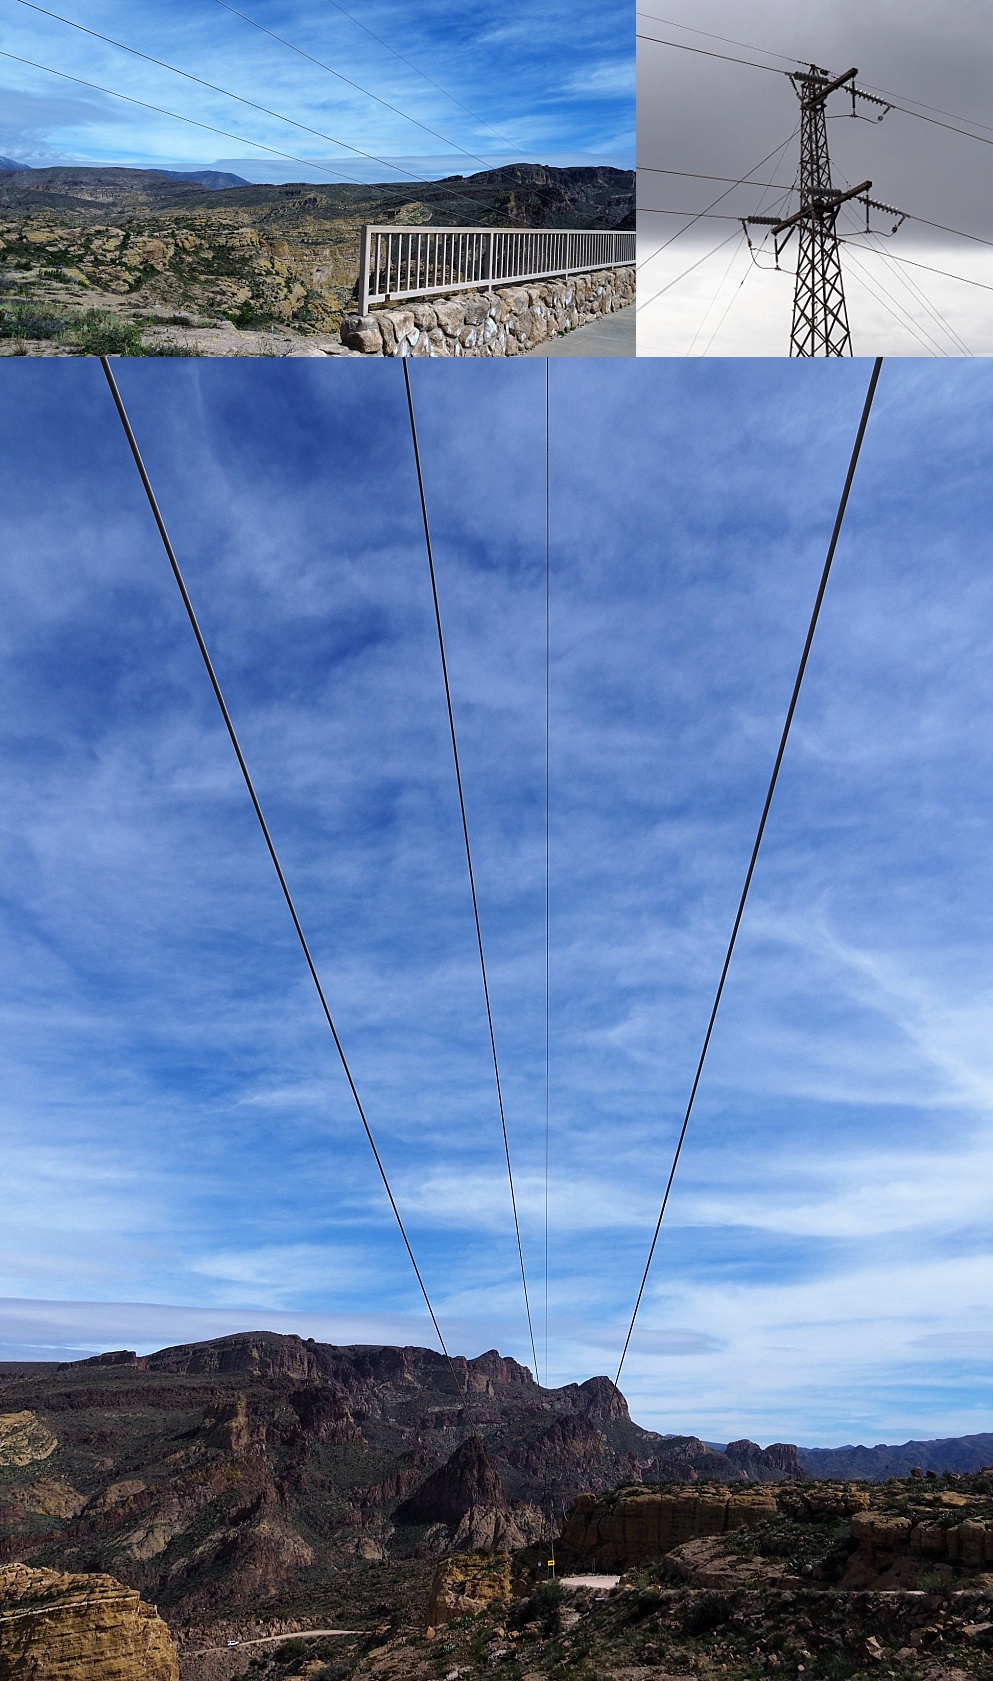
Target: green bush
[
  {"x": 20, "y": 323},
  {"x": 107, "y": 335},
  {"x": 708, "y": 1612}
]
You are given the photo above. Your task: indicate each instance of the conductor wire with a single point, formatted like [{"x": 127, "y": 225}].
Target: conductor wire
[
  {"x": 548, "y": 809},
  {"x": 832, "y": 546},
  {"x": 229, "y": 726},
  {"x": 468, "y": 850}
]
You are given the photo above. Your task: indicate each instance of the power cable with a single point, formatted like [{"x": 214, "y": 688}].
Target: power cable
[
  {"x": 706, "y": 53},
  {"x": 188, "y": 76},
  {"x": 229, "y": 726},
  {"x": 465, "y": 194},
  {"x": 719, "y": 199},
  {"x": 691, "y": 175},
  {"x": 750, "y": 64},
  {"x": 548, "y": 809},
  {"x": 770, "y": 53},
  {"x": 411, "y": 66},
  {"x": 717, "y": 294},
  {"x": 670, "y": 284},
  {"x": 468, "y": 849},
  {"x": 731, "y": 302},
  {"x": 832, "y": 546},
  {"x": 874, "y": 245},
  {"x": 784, "y": 193},
  {"x": 256, "y": 145},
  {"x": 917, "y": 292},
  {"x": 727, "y": 39},
  {"x": 945, "y": 273},
  {"x": 900, "y": 314},
  {"x": 460, "y": 150},
  {"x": 699, "y": 215},
  {"x": 950, "y": 126}
]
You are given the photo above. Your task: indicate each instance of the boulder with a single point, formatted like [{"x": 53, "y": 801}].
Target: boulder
[
  {"x": 56, "y": 1627},
  {"x": 23, "y": 1439},
  {"x": 466, "y": 1584}
]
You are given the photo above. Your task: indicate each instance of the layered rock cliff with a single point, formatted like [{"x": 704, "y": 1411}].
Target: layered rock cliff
[{"x": 56, "y": 1627}]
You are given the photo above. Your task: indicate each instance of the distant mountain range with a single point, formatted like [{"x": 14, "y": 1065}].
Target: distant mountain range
[
  {"x": 516, "y": 195},
  {"x": 215, "y": 178},
  {"x": 876, "y": 1464}
]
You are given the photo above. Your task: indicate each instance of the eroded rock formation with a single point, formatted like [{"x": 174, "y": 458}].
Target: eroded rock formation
[
  {"x": 632, "y": 1525},
  {"x": 56, "y": 1627}
]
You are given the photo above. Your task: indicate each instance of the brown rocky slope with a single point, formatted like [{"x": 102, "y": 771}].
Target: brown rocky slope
[
  {"x": 262, "y": 1471},
  {"x": 152, "y": 249}
]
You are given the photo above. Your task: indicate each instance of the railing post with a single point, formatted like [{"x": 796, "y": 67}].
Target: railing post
[
  {"x": 489, "y": 263},
  {"x": 364, "y": 270}
]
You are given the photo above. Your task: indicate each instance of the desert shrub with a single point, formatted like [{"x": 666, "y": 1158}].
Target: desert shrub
[
  {"x": 107, "y": 335},
  {"x": 21, "y": 323},
  {"x": 708, "y": 1612},
  {"x": 547, "y": 1598}
]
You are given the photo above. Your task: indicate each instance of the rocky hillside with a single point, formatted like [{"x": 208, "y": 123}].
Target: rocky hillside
[
  {"x": 151, "y": 247},
  {"x": 819, "y": 1581},
  {"x": 260, "y": 1470}
]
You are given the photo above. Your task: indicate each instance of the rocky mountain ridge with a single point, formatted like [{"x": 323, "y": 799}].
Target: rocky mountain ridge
[
  {"x": 154, "y": 251},
  {"x": 259, "y": 1484},
  {"x": 259, "y": 1468}
]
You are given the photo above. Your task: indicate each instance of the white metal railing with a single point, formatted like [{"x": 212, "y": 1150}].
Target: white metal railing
[{"x": 400, "y": 262}]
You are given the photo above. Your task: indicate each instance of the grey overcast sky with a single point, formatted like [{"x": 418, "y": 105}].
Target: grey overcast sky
[{"x": 704, "y": 115}]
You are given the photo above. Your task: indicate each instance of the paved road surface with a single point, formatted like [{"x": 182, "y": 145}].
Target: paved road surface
[
  {"x": 603, "y": 1583},
  {"x": 611, "y": 336}
]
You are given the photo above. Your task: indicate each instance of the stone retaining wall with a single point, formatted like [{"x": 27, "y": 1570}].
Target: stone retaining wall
[{"x": 508, "y": 322}]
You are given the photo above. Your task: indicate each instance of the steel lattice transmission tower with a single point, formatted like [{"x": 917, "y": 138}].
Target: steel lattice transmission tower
[{"x": 820, "y": 316}]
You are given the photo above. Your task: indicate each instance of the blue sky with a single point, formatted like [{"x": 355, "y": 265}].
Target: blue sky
[
  {"x": 181, "y": 1153},
  {"x": 554, "y": 80}
]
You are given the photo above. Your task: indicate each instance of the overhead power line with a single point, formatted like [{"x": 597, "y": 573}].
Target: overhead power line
[
  {"x": 727, "y": 39},
  {"x": 210, "y": 128},
  {"x": 466, "y": 193},
  {"x": 946, "y": 273},
  {"x": 787, "y": 59},
  {"x": 468, "y": 850},
  {"x": 692, "y": 175},
  {"x": 705, "y": 52},
  {"x": 417, "y": 72},
  {"x": 228, "y": 94},
  {"x": 825, "y": 574},
  {"x": 548, "y": 812},
  {"x": 740, "y": 182},
  {"x": 270, "y": 845},
  {"x": 726, "y": 216},
  {"x": 459, "y": 150},
  {"x": 671, "y": 283}
]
